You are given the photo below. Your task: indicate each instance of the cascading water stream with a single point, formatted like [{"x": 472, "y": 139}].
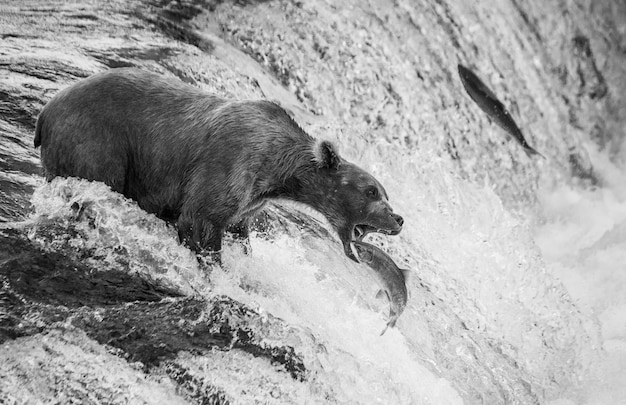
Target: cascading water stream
[{"x": 516, "y": 292}]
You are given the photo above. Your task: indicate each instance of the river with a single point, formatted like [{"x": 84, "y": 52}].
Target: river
[{"x": 516, "y": 293}]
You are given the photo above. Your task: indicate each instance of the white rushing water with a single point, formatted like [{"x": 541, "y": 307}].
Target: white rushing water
[
  {"x": 498, "y": 301},
  {"x": 583, "y": 242}
]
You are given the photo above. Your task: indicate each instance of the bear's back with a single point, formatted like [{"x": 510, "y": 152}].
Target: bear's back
[{"x": 146, "y": 136}]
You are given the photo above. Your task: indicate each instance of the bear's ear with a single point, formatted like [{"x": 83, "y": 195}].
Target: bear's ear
[{"x": 326, "y": 156}]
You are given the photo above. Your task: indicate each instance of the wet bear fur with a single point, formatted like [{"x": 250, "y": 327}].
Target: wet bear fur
[{"x": 202, "y": 162}]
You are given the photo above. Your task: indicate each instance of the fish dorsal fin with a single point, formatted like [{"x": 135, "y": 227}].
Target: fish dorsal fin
[
  {"x": 381, "y": 294},
  {"x": 406, "y": 273}
]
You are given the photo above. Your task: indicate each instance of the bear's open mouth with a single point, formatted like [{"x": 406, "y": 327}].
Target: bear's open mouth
[{"x": 358, "y": 233}]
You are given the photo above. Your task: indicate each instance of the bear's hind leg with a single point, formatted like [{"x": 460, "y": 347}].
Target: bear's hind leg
[
  {"x": 98, "y": 162},
  {"x": 104, "y": 161}
]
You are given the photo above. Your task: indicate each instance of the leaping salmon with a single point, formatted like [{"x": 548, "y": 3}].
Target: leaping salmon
[
  {"x": 391, "y": 279},
  {"x": 489, "y": 103}
]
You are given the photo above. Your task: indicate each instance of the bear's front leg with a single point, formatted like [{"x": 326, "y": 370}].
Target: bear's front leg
[
  {"x": 241, "y": 233},
  {"x": 209, "y": 236},
  {"x": 201, "y": 236}
]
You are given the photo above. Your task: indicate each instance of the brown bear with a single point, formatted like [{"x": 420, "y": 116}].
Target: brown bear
[{"x": 205, "y": 163}]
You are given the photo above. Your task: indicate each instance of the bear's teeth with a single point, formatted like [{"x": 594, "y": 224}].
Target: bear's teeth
[
  {"x": 358, "y": 232},
  {"x": 355, "y": 253}
]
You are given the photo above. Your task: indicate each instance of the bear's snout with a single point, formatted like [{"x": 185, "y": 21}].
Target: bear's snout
[
  {"x": 395, "y": 217},
  {"x": 399, "y": 220}
]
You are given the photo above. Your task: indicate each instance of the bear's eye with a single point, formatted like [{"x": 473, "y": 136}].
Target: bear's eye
[{"x": 372, "y": 192}]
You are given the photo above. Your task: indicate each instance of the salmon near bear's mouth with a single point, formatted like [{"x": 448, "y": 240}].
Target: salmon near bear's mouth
[{"x": 359, "y": 232}]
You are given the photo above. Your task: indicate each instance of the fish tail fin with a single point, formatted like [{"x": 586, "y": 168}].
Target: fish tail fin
[
  {"x": 390, "y": 324},
  {"x": 393, "y": 317},
  {"x": 531, "y": 151}
]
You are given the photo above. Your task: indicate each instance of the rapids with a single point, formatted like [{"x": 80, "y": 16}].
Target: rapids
[{"x": 516, "y": 293}]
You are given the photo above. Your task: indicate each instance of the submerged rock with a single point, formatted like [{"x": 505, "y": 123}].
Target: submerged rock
[{"x": 149, "y": 325}]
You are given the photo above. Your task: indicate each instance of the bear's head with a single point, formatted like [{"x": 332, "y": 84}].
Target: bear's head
[{"x": 352, "y": 200}]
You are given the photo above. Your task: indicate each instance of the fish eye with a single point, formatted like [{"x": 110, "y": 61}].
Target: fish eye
[{"x": 372, "y": 192}]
